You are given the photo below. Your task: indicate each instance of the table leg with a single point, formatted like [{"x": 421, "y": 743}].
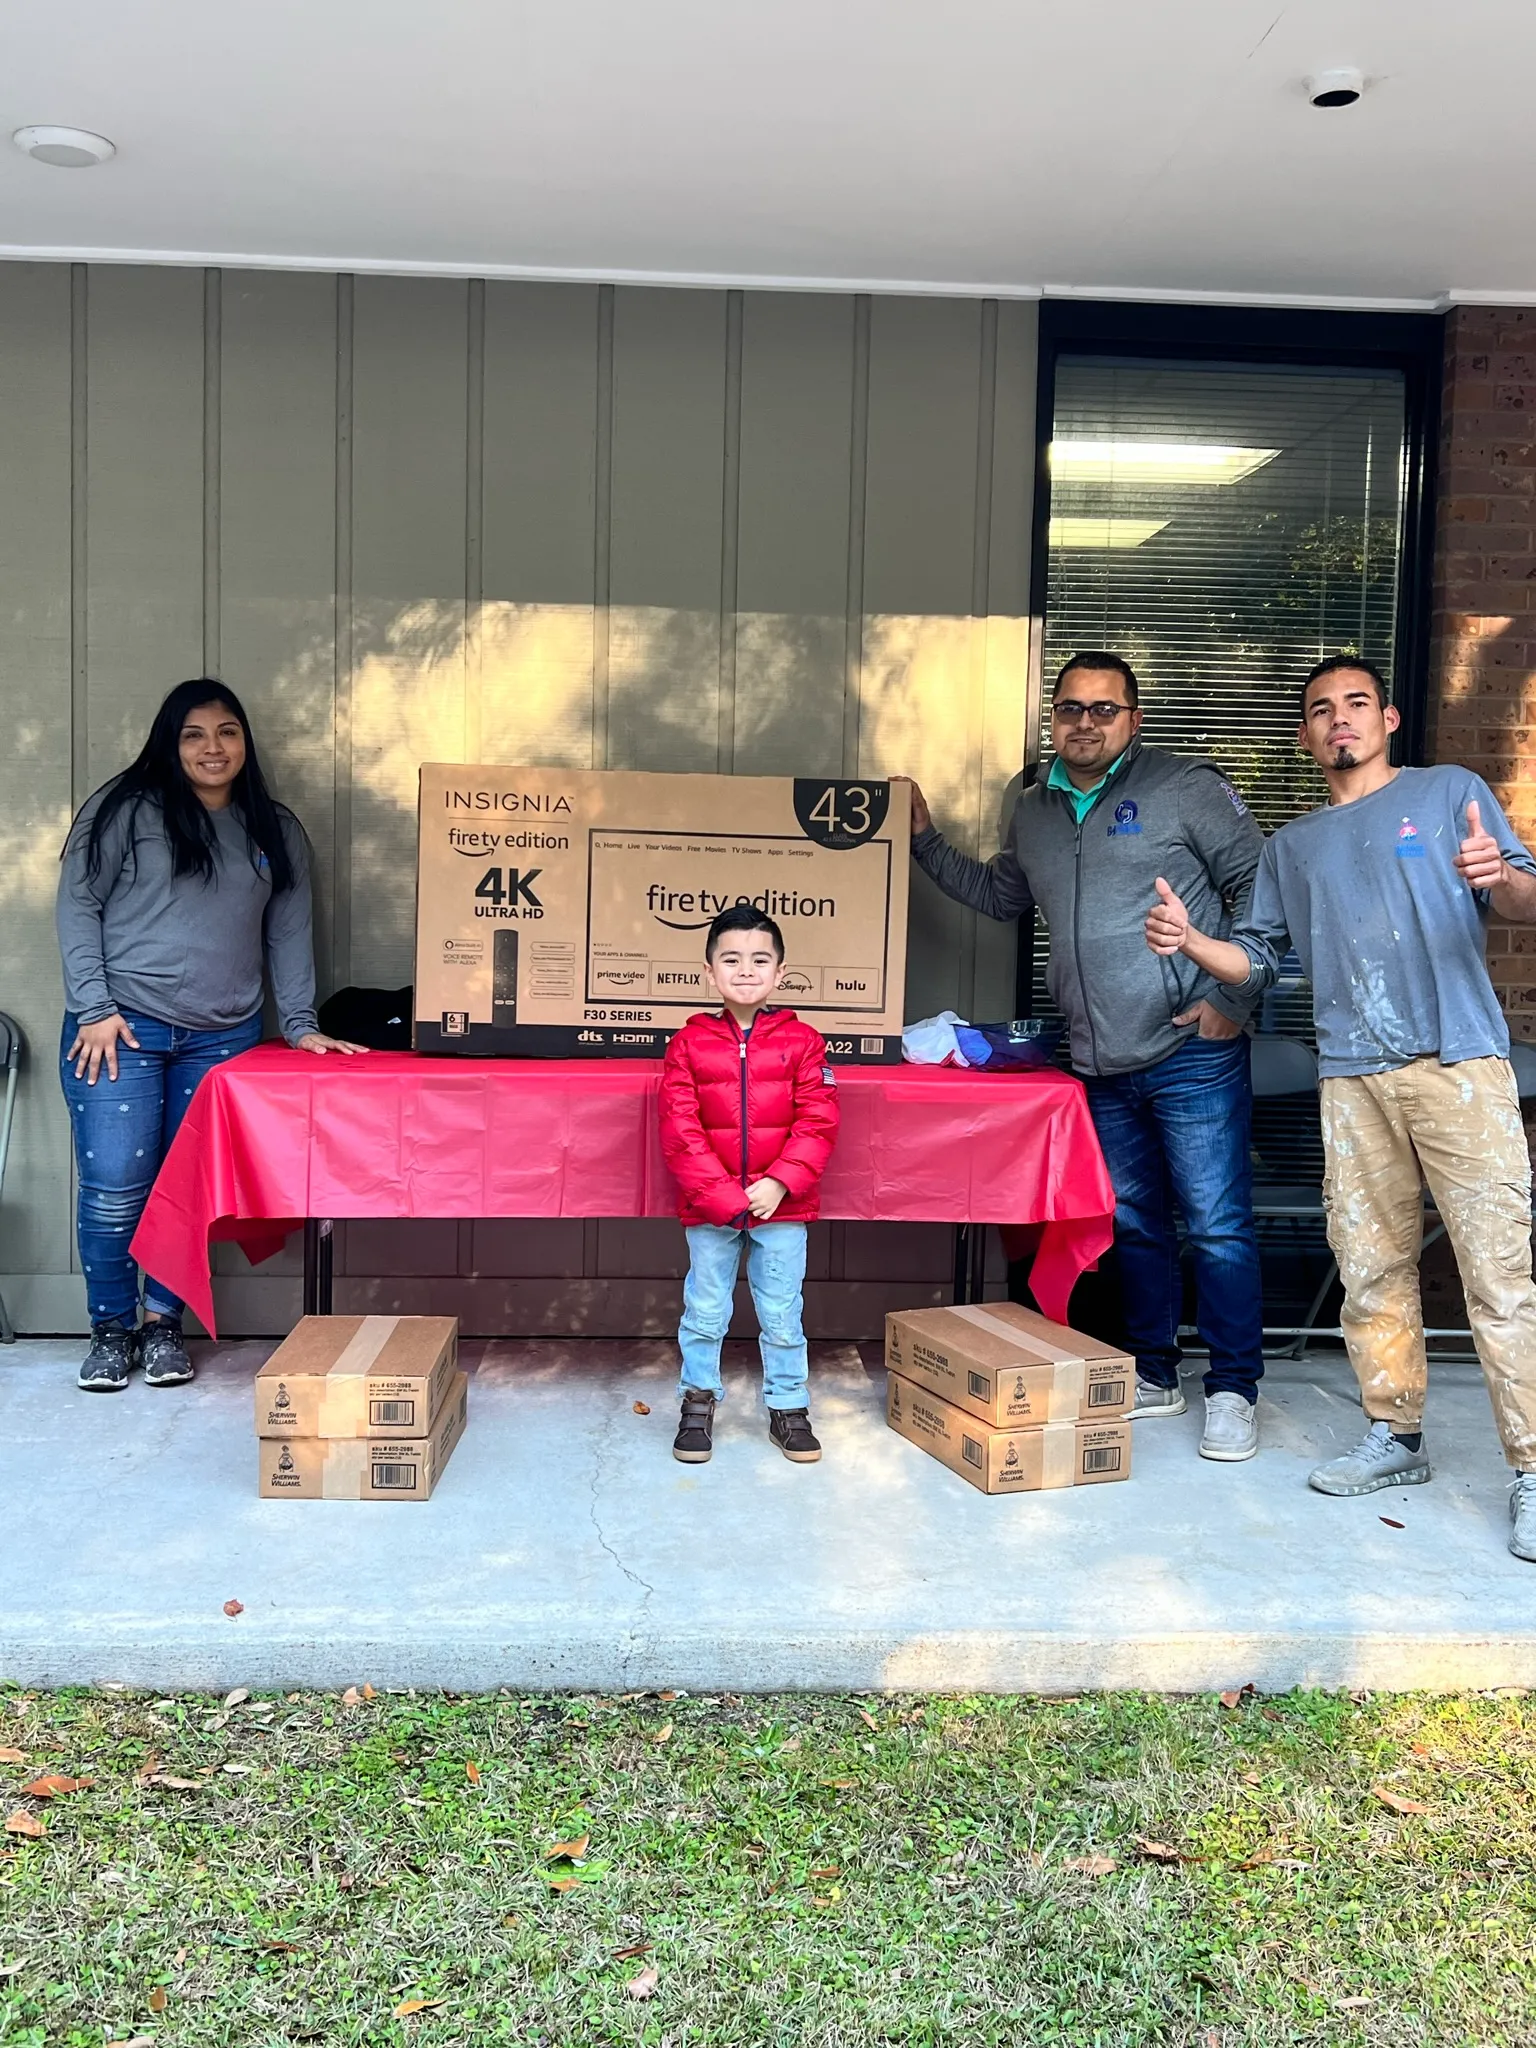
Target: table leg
[
  {"x": 319, "y": 1245},
  {"x": 978, "y": 1291},
  {"x": 962, "y": 1287}
]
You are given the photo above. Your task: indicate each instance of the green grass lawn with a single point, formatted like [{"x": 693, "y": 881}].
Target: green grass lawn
[{"x": 801, "y": 1870}]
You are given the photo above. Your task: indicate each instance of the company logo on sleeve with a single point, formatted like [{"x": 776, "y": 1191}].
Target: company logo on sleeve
[
  {"x": 1408, "y": 845},
  {"x": 1127, "y": 824}
]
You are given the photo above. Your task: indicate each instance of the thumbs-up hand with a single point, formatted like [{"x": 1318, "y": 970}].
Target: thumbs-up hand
[
  {"x": 1167, "y": 921},
  {"x": 1480, "y": 862}
]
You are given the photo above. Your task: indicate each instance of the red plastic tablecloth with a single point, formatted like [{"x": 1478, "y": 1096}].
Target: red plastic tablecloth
[{"x": 276, "y": 1136}]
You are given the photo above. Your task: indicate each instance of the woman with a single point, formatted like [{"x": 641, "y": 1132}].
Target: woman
[{"x": 181, "y": 879}]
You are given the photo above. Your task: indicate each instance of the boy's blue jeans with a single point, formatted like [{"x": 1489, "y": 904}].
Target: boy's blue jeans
[
  {"x": 1179, "y": 1132},
  {"x": 776, "y": 1275},
  {"x": 123, "y": 1129}
]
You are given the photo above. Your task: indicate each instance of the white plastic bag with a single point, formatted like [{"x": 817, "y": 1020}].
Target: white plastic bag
[{"x": 932, "y": 1042}]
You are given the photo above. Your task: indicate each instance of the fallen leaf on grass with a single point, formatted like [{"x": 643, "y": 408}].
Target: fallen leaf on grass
[
  {"x": 239, "y": 1770},
  {"x": 13, "y": 1756},
  {"x": 351, "y": 1697},
  {"x": 640, "y": 1408},
  {"x": 1391, "y": 1525},
  {"x": 792, "y": 1744},
  {"x": 1093, "y": 1866},
  {"x": 11, "y": 1969},
  {"x": 26, "y": 1824},
  {"x": 287, "y": 1948},
  {"x": 828, "y": 1870},
  {"x": 1257, "y": 1859},
  {"x": 564, "y": 1884},
  {"x": 568, "y": 1852},
  {"x": 663, "y": 1733},
  {"x": 620, "y": 1955},
  {"x": 1397, "y": 1802},
  {"x": 1235, "y": 1698},
  {"x": 664, "y": 1696},
  {"x": 643, "y": 1983},
  {"x": 472, "y": 1772},
  {"x": 1164, "y": 1852},
  {"x": 158, "y": 1998},
  {"x": 868, "y": 1718},
  {"x": 369, "y": 1693},
  {"x": 55, "y": 1788},
  {"x": 138, "y": 2041},
  {"x": 176, "y": 1784},
  {"x": 825, "y": 1902},
  {"x": 407, "y": 2006},
  {"x": 237, "y": 1698},
  {"x": 839, "y": 1784},
  {"x": 1364, "y": 1998},
  {"x": 234, "y": 1607}
]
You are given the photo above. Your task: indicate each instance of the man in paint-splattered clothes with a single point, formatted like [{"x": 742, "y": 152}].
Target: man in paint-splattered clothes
[{"x": 1385, "y": 893}]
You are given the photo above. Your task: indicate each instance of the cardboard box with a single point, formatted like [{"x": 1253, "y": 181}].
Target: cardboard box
[
  {"x": 1008, "y": 1460},
  {"x": 562, "y": 911},
  {"x": 364, "y": 1376},
  {"x": 1009, "y": 1367},
  {"x": 364, "y": 1468}
]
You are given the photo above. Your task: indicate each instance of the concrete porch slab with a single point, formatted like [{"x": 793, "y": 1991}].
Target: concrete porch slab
[{"x": 566, "y": 1549}]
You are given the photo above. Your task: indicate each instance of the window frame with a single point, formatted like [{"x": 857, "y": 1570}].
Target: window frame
[{"x": 1411, "y": 344}]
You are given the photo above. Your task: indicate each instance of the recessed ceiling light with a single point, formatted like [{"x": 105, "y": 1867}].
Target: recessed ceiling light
[
  {"x": 71, "y": 149},
  {"x": 1133, "y": 463},
  {"x": 1340, "y": 87},
  {"x": 1071, "y": 531}
]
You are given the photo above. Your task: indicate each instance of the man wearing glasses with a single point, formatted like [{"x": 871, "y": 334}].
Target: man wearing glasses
[{"x": 1162, "y": 1052}]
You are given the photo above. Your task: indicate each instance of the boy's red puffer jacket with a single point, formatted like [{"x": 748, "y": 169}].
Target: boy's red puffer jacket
[{"x": 735, "y": 1109}]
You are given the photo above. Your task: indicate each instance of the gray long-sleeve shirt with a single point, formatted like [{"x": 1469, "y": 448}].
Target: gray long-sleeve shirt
[
  {"x": 1160, "y": 814},
  {"x": 1387, "y": 932},
  {"x": 188, "y": 952}
]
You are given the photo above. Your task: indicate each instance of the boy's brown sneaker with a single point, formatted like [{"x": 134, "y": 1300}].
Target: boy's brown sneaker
[
  {"x": 790, "y": 1429},
  {"x": 695, "y": 1439}
]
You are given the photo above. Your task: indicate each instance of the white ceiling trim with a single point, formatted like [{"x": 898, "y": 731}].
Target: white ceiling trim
[{"x": 897, "y": 287}]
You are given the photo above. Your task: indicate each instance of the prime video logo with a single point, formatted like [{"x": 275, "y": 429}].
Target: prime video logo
[{"x": 694, "y": 910}]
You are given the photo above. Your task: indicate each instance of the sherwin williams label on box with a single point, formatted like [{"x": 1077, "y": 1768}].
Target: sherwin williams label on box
[
  {"x": 364, "y": 1468},
  {"x": 563, "y": 912},
  {"x": 358, "y": 1376},
  {"x": 1008, "y": 1366},
  {"x": 1008, "y": 1460}
]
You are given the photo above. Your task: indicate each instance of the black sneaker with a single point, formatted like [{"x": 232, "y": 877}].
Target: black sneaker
[
  {"x": 113, "y": 1354},
  {"x": 790, "y": 1429},
  {"x": 164, "y": 1352},
  {"x": 695, "y": 1439}
]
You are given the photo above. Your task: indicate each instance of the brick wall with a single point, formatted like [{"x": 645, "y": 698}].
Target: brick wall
[{"x": 1482, "y": 707}]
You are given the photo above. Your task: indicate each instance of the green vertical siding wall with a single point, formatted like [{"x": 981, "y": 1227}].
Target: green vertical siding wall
[{"x": 758, "y": 533}]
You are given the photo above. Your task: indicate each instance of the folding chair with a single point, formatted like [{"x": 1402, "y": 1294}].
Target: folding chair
[{"x": 10, "y": 1057}]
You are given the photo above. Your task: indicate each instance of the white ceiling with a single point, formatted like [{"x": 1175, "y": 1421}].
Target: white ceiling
[{"x": 1162, "y": 148}]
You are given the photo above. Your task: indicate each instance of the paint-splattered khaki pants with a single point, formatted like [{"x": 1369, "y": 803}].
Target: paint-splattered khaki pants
[{"x": 1459, "y": 1129}]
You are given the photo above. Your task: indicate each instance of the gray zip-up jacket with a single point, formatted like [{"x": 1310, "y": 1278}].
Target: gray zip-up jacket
[{"x": 1173, "y": 815}]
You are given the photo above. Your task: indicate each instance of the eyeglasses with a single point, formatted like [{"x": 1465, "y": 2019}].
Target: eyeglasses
[{"x": 1071, "y": 712}]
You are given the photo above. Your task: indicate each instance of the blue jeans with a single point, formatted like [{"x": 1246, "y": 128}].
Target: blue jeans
[
  {"x": 122, "y": 1131},
  {"x": 776, "y": 1275},
  {"x": 1180, "y": 1133}
]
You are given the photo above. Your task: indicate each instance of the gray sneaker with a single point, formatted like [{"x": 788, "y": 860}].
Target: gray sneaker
[
  {"x": 1522, "y": 1514},
  {"x": 1231, "y": 1429},
  {"x": 1151, "y": 1399},
  {"x": 1378, "y": 1460}
]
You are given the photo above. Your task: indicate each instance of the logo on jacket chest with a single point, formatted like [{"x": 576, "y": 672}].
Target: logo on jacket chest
[
  {"x": 1127, "y": 824},
  {"x": 1408, "y": 844}
]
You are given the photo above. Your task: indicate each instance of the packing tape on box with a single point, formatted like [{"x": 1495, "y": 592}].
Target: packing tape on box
[
  {"x": 346, "y": 1463},
  {"x": 1058, "y": 1446},
  {"x": 361, "y": 1354},
  {"x": 984, "y": 1320}
]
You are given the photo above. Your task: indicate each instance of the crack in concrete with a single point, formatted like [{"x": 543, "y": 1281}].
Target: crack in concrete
[{"x": 636, "y": 1640}]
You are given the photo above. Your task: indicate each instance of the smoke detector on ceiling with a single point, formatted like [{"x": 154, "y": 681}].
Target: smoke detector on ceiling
[
  {"x": 1336, "y": 88},
  {"x": 70, "y": 149}
]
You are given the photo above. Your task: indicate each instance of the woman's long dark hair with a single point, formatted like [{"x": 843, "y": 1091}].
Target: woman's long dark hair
[{"x": 157, "y": 777}]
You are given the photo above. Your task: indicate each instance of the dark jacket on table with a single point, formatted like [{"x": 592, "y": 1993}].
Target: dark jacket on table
[{"x": 1174, "y": 815}]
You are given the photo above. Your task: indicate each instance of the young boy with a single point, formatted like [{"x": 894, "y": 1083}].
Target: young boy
[{"x": 748, "y": 1120}]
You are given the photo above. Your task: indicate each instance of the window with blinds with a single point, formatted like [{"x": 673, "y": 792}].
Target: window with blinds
[{"x": 1224, "y": 527}]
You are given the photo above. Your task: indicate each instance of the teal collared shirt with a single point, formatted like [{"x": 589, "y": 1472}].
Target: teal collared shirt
[{"x": 1083, "y": 800}]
